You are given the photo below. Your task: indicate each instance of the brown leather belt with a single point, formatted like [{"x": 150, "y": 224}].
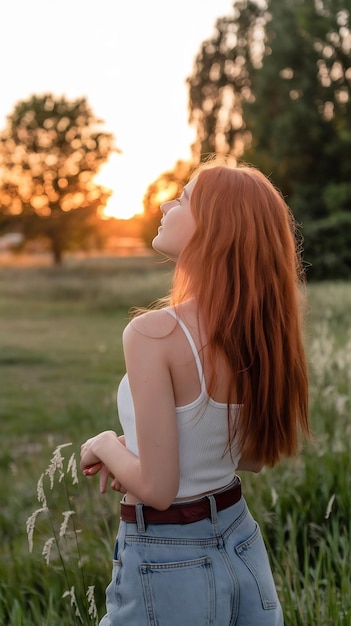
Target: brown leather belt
[{"x": 184, "y": 512}]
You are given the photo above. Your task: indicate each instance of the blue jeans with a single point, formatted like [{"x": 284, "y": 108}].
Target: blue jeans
[{"x": 214, "y": 572}]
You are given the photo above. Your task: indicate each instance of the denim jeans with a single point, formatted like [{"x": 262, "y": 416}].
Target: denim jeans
[{"x": 214, "y": 572}]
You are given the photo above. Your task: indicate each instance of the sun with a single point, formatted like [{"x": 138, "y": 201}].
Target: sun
[
  {"x": 122, "y": 211},
  {"x": 127, "y": 192}
]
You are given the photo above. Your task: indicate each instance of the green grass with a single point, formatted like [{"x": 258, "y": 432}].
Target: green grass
[{"x": 60, "y": 365}]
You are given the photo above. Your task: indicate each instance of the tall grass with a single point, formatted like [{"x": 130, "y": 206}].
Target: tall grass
[
  {"x": 305, "y": 503},
  {"x": 61, "y": 361}
]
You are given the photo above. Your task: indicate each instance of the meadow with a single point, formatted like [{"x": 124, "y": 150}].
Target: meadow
[{"x": 60, "y": 365}]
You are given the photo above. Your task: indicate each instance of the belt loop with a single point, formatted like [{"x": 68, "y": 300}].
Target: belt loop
[
  {"x": 120, "y": 541},
  {"x": 140, "y": 517},
  {"x": 213, "y": 509}
]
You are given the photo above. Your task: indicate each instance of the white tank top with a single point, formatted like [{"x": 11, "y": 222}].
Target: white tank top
[{"x": 205, "y": 462}]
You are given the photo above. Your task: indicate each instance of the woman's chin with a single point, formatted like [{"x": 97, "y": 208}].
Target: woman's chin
[
  {"x": 157, "y": 243},
  {"x": 154, "y": 244}
]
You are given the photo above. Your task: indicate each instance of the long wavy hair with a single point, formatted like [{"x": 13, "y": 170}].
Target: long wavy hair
[{"x": 243, "y": 267}]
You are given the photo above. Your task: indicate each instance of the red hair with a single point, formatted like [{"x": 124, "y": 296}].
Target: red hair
[{"x": 243, "y": 267}]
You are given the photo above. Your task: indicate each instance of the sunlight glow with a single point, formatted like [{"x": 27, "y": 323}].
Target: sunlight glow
[
  {"x": 127, "y": 193},
  {"x": 164, "y": 195},
  {"x": 146, "y": 110}
]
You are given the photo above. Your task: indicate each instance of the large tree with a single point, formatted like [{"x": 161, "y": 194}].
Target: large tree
[
  {"x": 222, "y": 80},
  {"x": 50, "y": 151},
  {"x": 274, "y": 87}
]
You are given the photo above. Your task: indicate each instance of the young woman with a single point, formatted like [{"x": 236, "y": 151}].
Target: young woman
[{"x": 216, "y": 382}]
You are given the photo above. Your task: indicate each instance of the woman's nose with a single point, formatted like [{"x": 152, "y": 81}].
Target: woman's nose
[{"x": 165, "y": 206}]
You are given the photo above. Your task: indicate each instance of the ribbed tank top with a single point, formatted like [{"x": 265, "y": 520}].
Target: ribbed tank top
[{"x": 205, "y": 462}]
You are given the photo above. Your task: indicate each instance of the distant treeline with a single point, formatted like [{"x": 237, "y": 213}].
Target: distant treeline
[{"x": 271, "y": 87}]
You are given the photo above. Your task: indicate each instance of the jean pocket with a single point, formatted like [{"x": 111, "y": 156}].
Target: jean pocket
[
  {"x": 253, "y": 554},
  {"x": 181, "y": 592}
]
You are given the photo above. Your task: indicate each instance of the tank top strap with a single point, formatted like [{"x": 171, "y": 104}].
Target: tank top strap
[{"x": 192, "y": 346}]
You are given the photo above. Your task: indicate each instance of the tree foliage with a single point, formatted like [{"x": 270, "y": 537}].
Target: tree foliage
[
  {"x": 50, "y": 151},
  {"x": 273, "y": 86}
]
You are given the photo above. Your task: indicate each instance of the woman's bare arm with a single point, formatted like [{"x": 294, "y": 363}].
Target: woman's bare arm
[{"x": 153, "y": 477}]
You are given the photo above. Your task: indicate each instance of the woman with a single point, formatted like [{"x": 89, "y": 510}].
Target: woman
[{"x": 216, "y": 382}]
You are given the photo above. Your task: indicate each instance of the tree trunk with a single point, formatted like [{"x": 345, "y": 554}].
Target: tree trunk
[{"x": 56, "y": 249}]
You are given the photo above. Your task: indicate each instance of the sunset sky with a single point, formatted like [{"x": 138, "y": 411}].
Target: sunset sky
[{"x": 130, "y": 60}]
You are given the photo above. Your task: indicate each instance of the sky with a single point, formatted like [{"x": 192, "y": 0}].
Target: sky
[{"x": 129, "y": 58}]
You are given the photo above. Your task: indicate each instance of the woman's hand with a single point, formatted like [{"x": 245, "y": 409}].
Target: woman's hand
[
  {"x": 105, "y": 474},
  {"x": 92, "y": 450},
  {"x": 91, "y": 464}
]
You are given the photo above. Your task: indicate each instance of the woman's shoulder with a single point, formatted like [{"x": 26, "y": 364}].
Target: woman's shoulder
[{"x": 153, "y": 324}]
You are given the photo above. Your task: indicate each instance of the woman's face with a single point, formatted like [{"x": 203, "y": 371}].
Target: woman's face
[{"x": 177, "y": 224}]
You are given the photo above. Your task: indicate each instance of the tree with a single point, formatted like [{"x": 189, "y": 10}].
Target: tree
[
  {"x": 289, "y": 112},
  {"x": 168, "y": 186},
  {"x": 50, "y": 151},
  {"x": 221, "y": 80}
]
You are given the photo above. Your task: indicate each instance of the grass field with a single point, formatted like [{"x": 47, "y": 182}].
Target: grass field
[{"x": 60, "y": 364}]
